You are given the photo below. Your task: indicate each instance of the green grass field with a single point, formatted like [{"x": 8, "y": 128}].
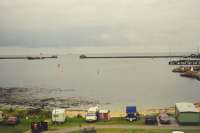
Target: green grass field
[
  {"x": 24, "y": 124},
  {"x": 114, "y": 121}
]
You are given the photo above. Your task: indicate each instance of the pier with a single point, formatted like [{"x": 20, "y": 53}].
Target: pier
[
  {"x": 184, "y": 62},
  {"x": 142, "y": 56},
  {"x": 28, "y": 57}
]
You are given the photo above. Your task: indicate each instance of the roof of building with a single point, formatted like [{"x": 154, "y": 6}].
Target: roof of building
[
  {"x": 186, "y": 107},
  {"x": 58, "y": 111}
]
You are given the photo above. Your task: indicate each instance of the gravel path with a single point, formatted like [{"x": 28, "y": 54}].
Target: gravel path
[{"x": 72, "y": 129}]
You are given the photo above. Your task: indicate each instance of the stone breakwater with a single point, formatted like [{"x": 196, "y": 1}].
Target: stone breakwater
[{"x": 40, "y": 97}]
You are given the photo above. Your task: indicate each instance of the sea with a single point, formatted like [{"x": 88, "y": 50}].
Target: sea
[{"x": 115, "y": 83}]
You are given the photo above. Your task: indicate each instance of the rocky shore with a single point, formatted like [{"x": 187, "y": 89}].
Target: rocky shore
[{"x": 37, "y": 98}]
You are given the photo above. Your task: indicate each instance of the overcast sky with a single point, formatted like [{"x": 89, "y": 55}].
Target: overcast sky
[{"x": 100, "y": 25}]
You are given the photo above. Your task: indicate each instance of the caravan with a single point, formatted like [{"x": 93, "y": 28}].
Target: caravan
[
  {"x": 58, "y": 115},
  {"x": 92, "y": 114},
  {"x": 1, "y": 116}
]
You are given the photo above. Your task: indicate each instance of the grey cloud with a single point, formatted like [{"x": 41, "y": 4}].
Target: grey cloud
[{"x": 78, "y": 23}]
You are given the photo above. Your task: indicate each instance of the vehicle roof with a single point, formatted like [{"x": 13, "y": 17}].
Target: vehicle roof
[
  {"x": 104, "y": 111},
  {"x": 93, "y": 109},
  {"x": 186, "y": 107},
  {"x": 58, "y": 111},
  {"x": 163, "y": 114},
  {"x": 177, "y": 132}
]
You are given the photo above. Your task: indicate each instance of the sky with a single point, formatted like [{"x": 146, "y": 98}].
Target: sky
[{"x": 99, "y": 26}]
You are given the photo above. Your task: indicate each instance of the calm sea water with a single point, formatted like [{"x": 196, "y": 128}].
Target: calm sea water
[{"x": 120, "y": 82}]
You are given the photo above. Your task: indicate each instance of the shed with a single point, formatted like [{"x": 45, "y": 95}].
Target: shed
[
  {"x": 104, "y": 114},
  {"x": 187, "y": 113},
  {"x": 58, "y": 115}
]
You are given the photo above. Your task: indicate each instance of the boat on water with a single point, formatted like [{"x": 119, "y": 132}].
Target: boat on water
[{"x": 183, "y": 69}]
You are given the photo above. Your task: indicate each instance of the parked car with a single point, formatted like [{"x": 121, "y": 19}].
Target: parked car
[
  {"x": 164, "y": 118},
  {"x": 37, "y": 127},
  {"x": 12, "y": 120},
  {"x": 150, "y": 120},
  {"x": 1, "y": 116}
]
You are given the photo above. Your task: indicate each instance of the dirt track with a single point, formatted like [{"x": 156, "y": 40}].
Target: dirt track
[{"x": 72, "y": 129}]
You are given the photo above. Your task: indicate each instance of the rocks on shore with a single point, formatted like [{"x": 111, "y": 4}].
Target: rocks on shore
[{"x": 35, "y": 97}]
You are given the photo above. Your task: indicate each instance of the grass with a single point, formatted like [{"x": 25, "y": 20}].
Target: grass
[
  {"x": 81, "y": 122},
  {"x": 121, "y": 121},
  {"x": 24, "y": 124},
  {"x": 72, "y": 122}
]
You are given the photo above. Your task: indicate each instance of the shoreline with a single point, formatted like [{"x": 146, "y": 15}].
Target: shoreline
[
  {"x": 17, "y": 98},
  {"x": 73, "y": 112}
]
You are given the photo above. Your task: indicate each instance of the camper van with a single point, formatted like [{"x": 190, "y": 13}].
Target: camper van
[
  {"x": 131, "y": 113},
  {"x": 1, "y": 116},
  {"x": 58, "y": 115},
  {"x": 92, "y": 114}
]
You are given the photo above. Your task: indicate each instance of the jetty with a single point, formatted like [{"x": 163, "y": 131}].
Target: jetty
[
  {"x": 29, "y": 57},
  {"x": 192, "y": 56}
]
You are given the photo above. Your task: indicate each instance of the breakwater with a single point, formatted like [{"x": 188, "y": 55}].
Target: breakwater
[
  {"x": 139, "y": 56},
  {"x": 28, "y": 57}
]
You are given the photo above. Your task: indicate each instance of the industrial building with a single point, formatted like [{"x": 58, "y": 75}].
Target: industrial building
[{"x": 187, "y": 113}]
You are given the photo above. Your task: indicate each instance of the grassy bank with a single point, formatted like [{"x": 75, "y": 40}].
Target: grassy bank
[
  {"x": 70, "y": 122},
  {"x": 25, "y": 120},
  {"x": 140, "y": 131},
  {"x": 43, "y": 115}
]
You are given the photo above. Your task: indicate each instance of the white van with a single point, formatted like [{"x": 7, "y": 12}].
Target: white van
[
  {"x": 1, "y": 116},
  {"x": 92, "y": 114},
  {"x": 58, "y": 115}
]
